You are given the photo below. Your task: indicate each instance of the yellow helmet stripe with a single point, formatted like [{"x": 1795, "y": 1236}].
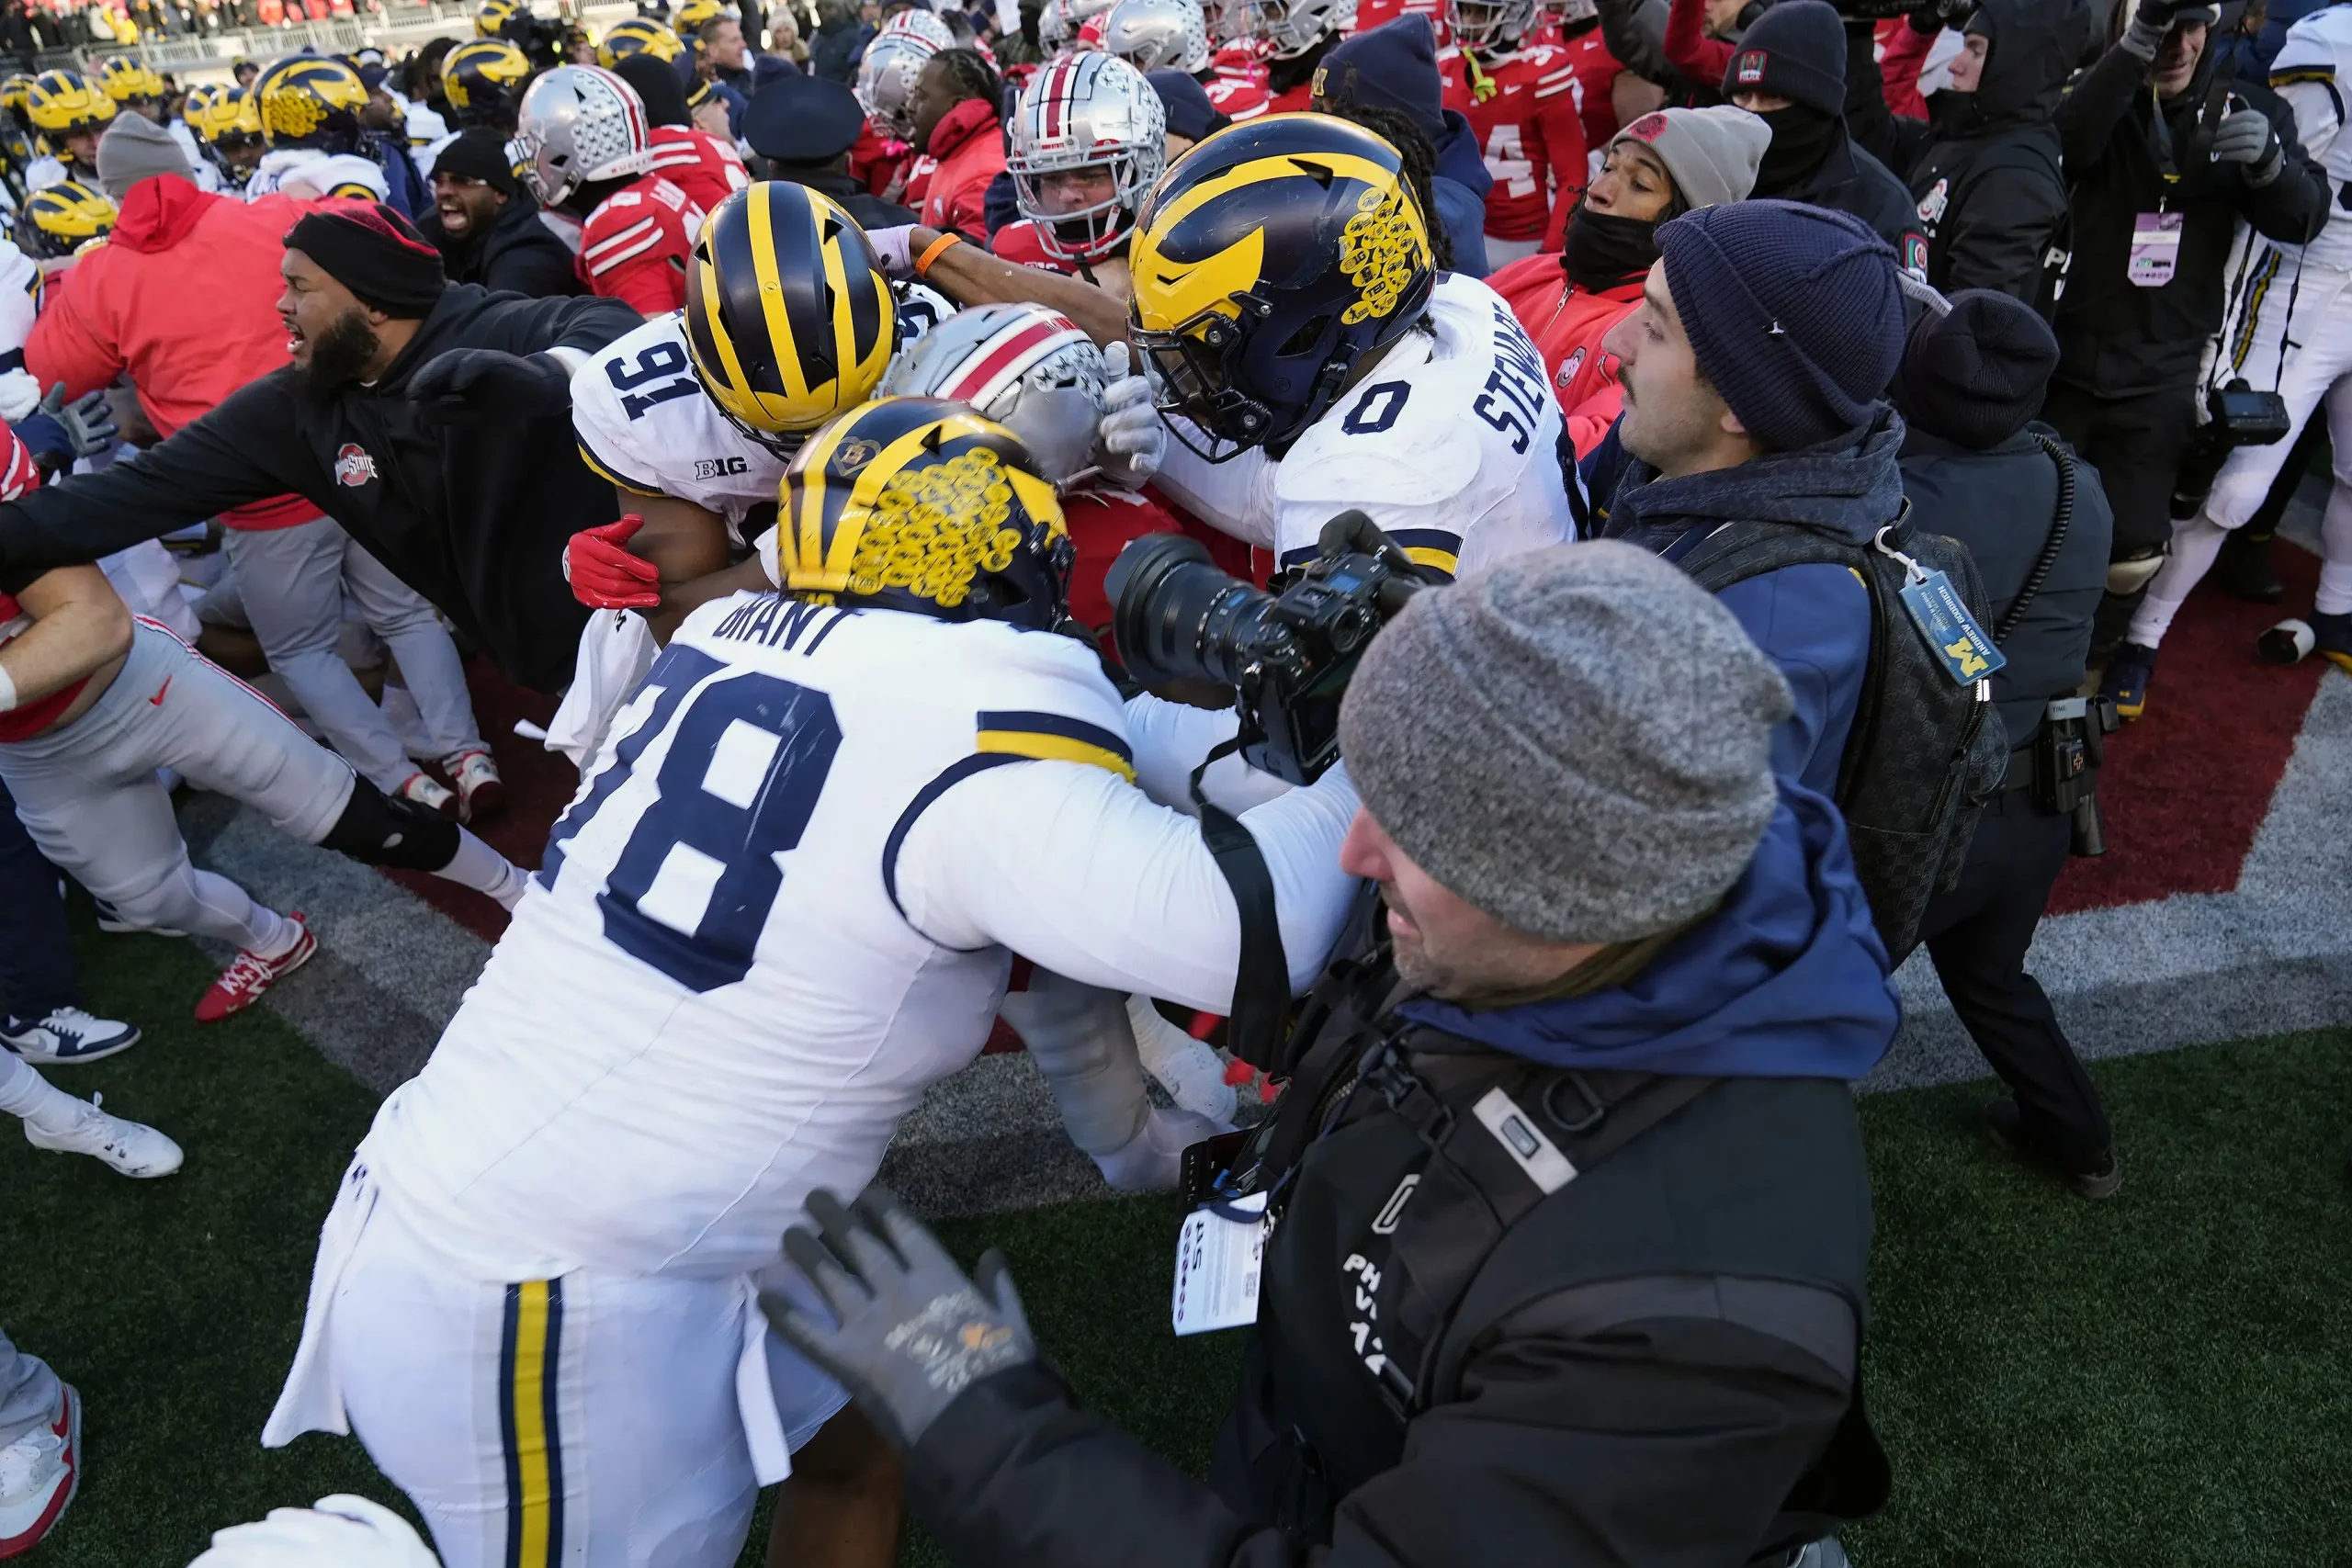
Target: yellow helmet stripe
[
  {"x": 769, "y": 272},
  {"x": 845, "y": 323},
  {"x": 814, "y": 461},
  {"x": 1345, "y": 166}
]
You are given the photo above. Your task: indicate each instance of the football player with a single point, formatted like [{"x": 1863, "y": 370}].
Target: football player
[
  {"x": 1308, "y": 358},
  {"x": 1295, "y": 36},
  {"x": 778, "y": 911},
  {"x": 584, "y": 147},
  {"x": 482, "y": 80},
  {"x": 308, "y": 108},
  {"x": 229, "y": 127},
  {"x": 1089, "y": 141},
  {"x": 706, "y": 168},
  {"x": 1521, "y": 99},
  {"x": 886, "y": 157},
  {"x": 70, "y": 113}
]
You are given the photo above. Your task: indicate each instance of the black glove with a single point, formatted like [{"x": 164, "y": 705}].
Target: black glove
[
  {"x": 483, "y": 383},
  {"x": 910, "y": 1331},
  {"x": 1935, "y": 15}
]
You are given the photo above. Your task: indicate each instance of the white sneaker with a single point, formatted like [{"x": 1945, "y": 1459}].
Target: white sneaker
[
  {"x": 426, "y": 792},
  {"x": 480, "y": 792},
  {"x": 40, "y": 1473},
  {"x": 1192, "y": 1072},
  {"x": 65, "y": 1036},
  {"x": 131, "y": 1147}
]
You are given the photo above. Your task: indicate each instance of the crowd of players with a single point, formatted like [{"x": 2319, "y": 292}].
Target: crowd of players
[{"x": 937, "y": 343}]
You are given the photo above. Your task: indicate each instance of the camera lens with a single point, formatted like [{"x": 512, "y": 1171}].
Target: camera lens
[{"x": 1174, "y": 616}]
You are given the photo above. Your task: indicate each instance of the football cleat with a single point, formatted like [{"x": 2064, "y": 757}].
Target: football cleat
[
  {"x": 2332, "y": 638},
  {"x": 64, "y": 1036},
  {"x": 2126, "y": 682},
  {"x": 480, "y": 792},
  {"x": 40, "y": 1473},
  {"x": 132, "y": 1148},
  {"x": 428, "y": 792},
  {"x": 249, "y": 975}
]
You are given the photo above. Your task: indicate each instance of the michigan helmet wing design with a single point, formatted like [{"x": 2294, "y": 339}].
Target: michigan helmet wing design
[
  {"x": 59, "y": 219},
  {"x": 482, "y": 78},
  {"x": 308, "y": 100},
  {"x": 789, "y": 320},
  {"x": 915, "y": 504},
  {"x": 128, "y": 80},
  {"x": 1271, "y": 257},
  {"x": 63, "y": 102},
  {"x": 638, "y": 35}
]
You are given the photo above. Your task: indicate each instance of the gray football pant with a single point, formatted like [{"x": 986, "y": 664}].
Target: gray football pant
[
  {"x": 88, "y": 794},
  {"x": 292, "y": 582},
  {"x": 28, "y": 1392}
]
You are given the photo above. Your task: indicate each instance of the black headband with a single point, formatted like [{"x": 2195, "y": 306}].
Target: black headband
[{"x": 373, "y": 252}]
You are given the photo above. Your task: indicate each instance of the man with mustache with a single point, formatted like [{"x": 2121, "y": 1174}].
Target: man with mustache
[{"x": 433, "y": 421}]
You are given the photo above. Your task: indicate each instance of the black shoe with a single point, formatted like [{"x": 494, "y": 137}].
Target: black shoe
[
  {"x": 2244, "y": 570},
  {"x": 2006, "y": 1124}
]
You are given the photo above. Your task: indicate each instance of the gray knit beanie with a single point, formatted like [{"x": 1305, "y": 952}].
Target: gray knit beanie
[
  {"x": 135, "y": 148},
  {"x": 1577, "y": 740},
  {"x": 1711, "y": 153}
]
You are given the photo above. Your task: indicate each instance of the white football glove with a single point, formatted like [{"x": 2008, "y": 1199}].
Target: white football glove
[
  {"x": 19, "y": 394},
  {"x": 891, "y": 250},
  {"x": 1133, "y": 436},
  {"x": 342, "y": 1532}
]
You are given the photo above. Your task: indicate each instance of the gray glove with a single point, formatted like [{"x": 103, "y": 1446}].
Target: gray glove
[
  {"x": 1133, "y": 438},
  {"x": 2149, "y": 24},
  {"x": 2245, "y": 136},
  {"x": 88, "y": 421},
  {"x": 911, "y": 1331}
]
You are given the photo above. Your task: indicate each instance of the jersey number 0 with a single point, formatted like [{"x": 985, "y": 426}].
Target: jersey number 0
[{"x": 691, "y": 891}]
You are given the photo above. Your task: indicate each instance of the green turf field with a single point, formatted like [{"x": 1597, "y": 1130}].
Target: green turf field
[{"x": 2163, "y": 1379}]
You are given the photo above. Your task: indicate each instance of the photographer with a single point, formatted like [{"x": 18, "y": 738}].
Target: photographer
[
  {"x": 1978, "y": 467},
  {"x": 1570, "y": 810},
  {"x": 2165, "y": 159}
]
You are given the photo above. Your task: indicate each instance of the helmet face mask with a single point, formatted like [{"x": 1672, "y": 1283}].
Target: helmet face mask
[
  {"x": 1153, "y": 35},
  {"x": 1058, "y": 23},
  {"x": 578, "y": 125},
  {"x": 1090, "y": 111},
  {"x": 924, "y": 506},
  {"x": 1493, "y": 24},
  {"x": 886, "y": 82},
  {"x": 1291, "y": 28},
  {"x": 1275, "y": 255}
]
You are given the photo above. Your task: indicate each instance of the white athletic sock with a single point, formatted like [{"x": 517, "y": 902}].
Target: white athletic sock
[
  {"x": 24, "y": 1092},
  {"x": 1080, "y": 1038},
  {"x": 483, "y": 869},
  {"x": 2194, "y": 546},
  {"x": 2335, "y": 550},
  {"x": 223, "y": 910}
]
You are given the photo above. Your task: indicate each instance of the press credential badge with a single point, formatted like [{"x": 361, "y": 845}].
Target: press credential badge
[{"x": 1220, "y": 1258}]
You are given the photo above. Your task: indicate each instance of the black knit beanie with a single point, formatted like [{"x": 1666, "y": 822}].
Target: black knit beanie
[
  {"x": 1796, "y": 50},
  {"x": 1976, "y": 373},
  {"x": 373, "y": 252}
]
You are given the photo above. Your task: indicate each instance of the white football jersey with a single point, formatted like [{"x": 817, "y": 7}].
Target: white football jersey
[
  {"x": 330, "y": 173},
  {"x": 710, "y": 1003},
  {"x": 1450, "y": 445}
]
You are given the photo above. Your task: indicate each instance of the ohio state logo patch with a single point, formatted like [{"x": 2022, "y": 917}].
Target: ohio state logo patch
[
  {"x": 1748, "y": 70},
  {"x": 1649, "y": 128},
  {"x": 1570, "y": 365},
  {"x": 353, "y": 465}
]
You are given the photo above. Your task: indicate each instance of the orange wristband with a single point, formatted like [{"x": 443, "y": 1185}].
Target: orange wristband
[{"x": 933, "y": 251}]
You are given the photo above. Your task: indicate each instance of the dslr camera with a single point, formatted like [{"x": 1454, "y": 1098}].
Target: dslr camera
[
  {"x": 1286, "y": 655},
  {"x": 2236, "y": 415}
]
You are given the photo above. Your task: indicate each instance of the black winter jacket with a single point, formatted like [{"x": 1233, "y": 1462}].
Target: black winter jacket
[
  {"x": 2000, "y": 502},
  {"x": 518, "y": 254},
  {"x": 2117, "y": 341},
  {"x": 1849, "y": 180},
  {"x": 474, "y": 517}
]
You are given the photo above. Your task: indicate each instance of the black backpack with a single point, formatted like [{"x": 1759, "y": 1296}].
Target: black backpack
[{"x": 1925, "y": 754}]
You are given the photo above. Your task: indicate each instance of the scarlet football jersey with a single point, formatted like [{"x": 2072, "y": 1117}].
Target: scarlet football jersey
[
  {"x": 879, "y": 163},
  {"x": 635, "y": 246},
  {"x": 1019, "y": 242},
  {"x": 1530, "y": 133},
  {"x": 1371, "y": 13},
  {"x": 708, "y": 169}
]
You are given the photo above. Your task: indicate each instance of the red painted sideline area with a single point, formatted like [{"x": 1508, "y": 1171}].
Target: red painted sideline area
[{"x": 2188, "y": 785}]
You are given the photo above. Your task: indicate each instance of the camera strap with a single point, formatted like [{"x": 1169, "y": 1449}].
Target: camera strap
[{"x": 1261, "y": 983}]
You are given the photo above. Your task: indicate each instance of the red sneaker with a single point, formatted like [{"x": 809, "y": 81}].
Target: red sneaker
[
  {"x": 249, "y": 975},
  {"x": 40, "y": 1473}
]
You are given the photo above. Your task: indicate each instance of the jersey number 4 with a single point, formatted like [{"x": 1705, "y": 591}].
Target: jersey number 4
[
  {"x": 662, "y": 359},
  {"x": 691, "y": 891}
]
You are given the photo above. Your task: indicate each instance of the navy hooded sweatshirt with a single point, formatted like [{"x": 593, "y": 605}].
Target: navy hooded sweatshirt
[
  {"x": 1814, "y": 621},
  {"x": 1787, "y": 979}
]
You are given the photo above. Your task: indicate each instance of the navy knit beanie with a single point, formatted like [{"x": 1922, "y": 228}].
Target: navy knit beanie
[
  {"x": 1977, "y": 373},
  {"x": 1796, "y": 50},
  {"x": 1392, "y": 66},
  {"x": 1792, "y": 313}
]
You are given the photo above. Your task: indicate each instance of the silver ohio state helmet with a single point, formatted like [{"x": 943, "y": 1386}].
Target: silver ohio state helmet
[
  {"x": 928, "y": 26},
  {"x": 885, "y": 79},
  {"x": 1086, "y": 111},
  {"x": 1058, "y": 23},
  {"x": 1492, "y": 24},
  {"x": 579, "y": 124},
  {"x": 1291, "y": 28},
  {"x": 1155, "y": 35},
  {"x": 1027, "y": 368}
]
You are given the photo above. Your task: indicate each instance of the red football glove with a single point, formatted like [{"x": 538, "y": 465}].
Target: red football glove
[{"x": 603, "y": 575}]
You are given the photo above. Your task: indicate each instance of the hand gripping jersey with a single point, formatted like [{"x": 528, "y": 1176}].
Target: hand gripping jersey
[
  {"x": 331, "y": 174},
  {"x": 708, "y": 169},
  {"x": 1523, "y": 108},
  {"x": 1449, "y": 445},
  {"x": 721, "y": 993},
  {"x": 644, "y": 423},
  {"x": 634, "y": 246}
]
